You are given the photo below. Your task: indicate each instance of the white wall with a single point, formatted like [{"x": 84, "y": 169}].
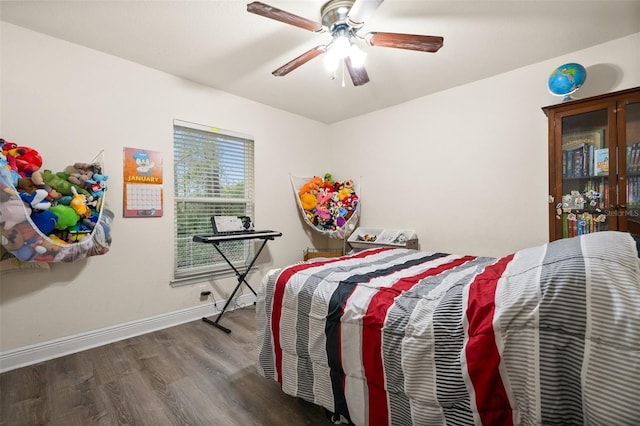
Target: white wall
[
  {"x": 466, "y": 168},
  {"x": 70, "y": 102}
]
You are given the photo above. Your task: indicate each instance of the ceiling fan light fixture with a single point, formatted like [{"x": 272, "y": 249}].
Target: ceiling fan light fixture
[
  {"x": 357, "y": 56},
  {"x": 341, "y": 46},
  {"x": 331, "y": 61}
]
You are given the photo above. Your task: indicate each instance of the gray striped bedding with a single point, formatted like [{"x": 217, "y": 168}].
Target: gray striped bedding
[{"x": 549, "y": 335}]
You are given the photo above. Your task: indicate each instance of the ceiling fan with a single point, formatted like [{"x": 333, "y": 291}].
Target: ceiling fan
[{"x": 343, "y": 19}]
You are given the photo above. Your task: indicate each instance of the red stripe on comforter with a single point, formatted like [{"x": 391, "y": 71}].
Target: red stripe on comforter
[
  {"x": 372, "y": 325},
  {"x": 482, "y": 353},
  {"x": 278, "y": 295}
]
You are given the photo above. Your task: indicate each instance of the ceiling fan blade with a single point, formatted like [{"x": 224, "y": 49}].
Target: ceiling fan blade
[
  {"x": 280, "y": 15},
  {"x": 358, "y": 75},
  {"x": 300, "y": 60},
  {"x": 422, "y": 43},
  {"x": 361, "y": 11}
]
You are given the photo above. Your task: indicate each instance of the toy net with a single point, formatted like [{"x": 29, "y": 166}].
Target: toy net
[
  {"x": 329, "y": 207},
  {"x": 22, "y": 238}
]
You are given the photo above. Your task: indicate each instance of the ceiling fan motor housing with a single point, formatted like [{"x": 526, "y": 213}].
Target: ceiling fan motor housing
[{"x": 334, "y": 13}]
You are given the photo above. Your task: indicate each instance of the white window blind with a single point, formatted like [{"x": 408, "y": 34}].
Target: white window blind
[{"x": 213, "y": 175}]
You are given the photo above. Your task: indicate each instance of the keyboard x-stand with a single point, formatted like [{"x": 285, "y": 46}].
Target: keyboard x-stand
[{"x": 216, "y": 239}]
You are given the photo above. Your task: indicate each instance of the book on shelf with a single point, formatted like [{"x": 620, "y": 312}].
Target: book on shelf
[
  {"x": 594, "y": 138},
  {"x": 572, "y": 159},
  {"x": 633, "y": 192},
  {"x": 633, "y": 158},
  {"x": 578, "y": 161},
  {"x": 601, "y": 162},
  {"x": 578, "y": 151},
  {"x": 573, "y": 226}
]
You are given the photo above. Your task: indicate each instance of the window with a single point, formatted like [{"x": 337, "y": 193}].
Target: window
[{"x": 213, "y": 173}]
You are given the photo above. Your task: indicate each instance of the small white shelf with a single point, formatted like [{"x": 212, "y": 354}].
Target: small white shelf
[{"x": 363, "y": 238}]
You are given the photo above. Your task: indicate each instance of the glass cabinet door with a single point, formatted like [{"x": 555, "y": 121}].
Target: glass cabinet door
[
  {"x": 630, "y": 208},
  {"x": 594, "y": 164},
  {"x": 586, "y": 195}
]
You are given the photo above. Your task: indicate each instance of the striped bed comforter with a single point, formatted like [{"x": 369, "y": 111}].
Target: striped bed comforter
[{"x": 549, "y": 335}]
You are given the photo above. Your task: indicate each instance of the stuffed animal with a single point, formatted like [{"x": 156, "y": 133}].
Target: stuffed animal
[
  {"x": 13, "y": 211},
  {"x": 311, "y": 217},
  {"x": 25, "y": 185},
  {"x": 79, "y": 203},
  {"x": 324, "y": 196},
  {"x": 59, "y": 182},
  {"x": 10, "y": 151},
  {"x": 328, "y": 178},
  {"x": 344, "y": 192},
  {"x": 9, "y": 176},
  {"x": 67, "y": 217},
  {"x": 97, "y": 185},
  {"x": 38, "y": 181},
  {"x": 28, "y": 161},
  {"x": 27, "y": 242},
  {"x": 55, "y": 238},
  {"x": 12, "y": 239},
  {"x": 36, "y": 198},
  {"x": 323, "y": 213},
  {"x": 45, "y": 221},
  {"x": 36, "y": 178},
  {"x": 82, "y": 172},
  {"x": 308, "y": 201},
  {"x": 311, "y": 186}
]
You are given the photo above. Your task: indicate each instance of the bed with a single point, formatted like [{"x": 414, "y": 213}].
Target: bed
[{"x": 548, "y": 335}]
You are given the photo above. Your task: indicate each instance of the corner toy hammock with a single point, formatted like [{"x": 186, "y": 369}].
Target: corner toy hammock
[
  {"x": 328, "y": 206},
  {"x": 52, "y": 217}
]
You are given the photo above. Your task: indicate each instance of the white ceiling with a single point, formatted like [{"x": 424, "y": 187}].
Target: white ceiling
[{"x": 221, "y": 45}]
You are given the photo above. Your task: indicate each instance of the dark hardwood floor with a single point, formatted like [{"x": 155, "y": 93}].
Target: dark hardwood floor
[{"x": 191, "y": 374}]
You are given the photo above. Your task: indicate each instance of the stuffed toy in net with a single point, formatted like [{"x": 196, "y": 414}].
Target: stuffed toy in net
[
  {"x": 330, "y": 207},
  {"x": 51, "y": 217}
]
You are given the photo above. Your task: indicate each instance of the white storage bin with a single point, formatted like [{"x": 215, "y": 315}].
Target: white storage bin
[{"x": 378, "y": 237}]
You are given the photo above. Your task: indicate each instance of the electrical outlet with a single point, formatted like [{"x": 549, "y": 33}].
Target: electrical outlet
[{"x": 203, "y": 292}]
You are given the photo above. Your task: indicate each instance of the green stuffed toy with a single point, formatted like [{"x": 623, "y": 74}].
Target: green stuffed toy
[
  {"x": 67, "y": 217},
  {"x": 59, "y": 182}
]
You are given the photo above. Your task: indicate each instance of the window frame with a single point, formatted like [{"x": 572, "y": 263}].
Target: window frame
[{"x": 232, "y": 157}]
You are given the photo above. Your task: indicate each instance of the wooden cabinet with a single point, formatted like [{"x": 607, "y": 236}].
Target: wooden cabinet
[{"x": 594, "y": 164}]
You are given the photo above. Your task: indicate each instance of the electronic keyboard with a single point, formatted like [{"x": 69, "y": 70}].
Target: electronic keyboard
[
  {"x": 237, "y": 236},
  {"x": 230, "y": 235}
]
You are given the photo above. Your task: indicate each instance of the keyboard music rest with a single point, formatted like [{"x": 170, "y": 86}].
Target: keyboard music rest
[{"x": 215, "y": 240}]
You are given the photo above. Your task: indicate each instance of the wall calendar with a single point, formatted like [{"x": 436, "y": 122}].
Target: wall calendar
[{"x": 142, "y": 189}]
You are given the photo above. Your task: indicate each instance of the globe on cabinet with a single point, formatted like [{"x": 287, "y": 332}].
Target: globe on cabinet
[{"x": 567, "y": 79}]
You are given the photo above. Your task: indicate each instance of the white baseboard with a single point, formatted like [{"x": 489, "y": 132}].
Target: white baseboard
[{"x": 33, "y": 354}]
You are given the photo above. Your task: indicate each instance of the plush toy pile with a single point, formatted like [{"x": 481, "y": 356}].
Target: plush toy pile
[
  {"x": 328, "y": 204},
  {"x": 42, "y": 212}
]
